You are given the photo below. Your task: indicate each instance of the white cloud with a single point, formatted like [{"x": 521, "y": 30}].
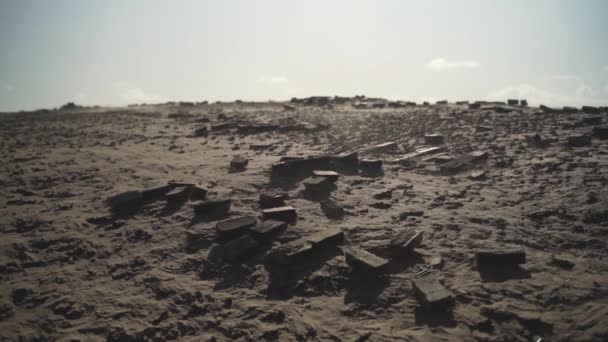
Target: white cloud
[
  {"x": 441, "y": 64},
  {"x": 131, "y": 94},
  {"x": 583, "y": 95},
  {"x": 81, "y": 97},
  {"x": 272, "y": 80},
  {"x": 137, "y": 95},
  {"x": 567, "y": 78},
  {"x": 8, "y": 87}
]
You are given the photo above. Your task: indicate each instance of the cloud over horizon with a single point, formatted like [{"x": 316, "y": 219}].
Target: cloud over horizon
[
  {"x": 583, "y": 95},
  {"x": 567, "y": 78},
  {"x": 441, "y": 64},
  {"x": 272, "y": 80}
]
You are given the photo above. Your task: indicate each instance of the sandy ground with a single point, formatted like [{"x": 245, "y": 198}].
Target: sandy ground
[{"x": 71, "y": 269}]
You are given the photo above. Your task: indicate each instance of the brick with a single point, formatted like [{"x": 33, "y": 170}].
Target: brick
[
  {"x": 178, "y": 194},
  {"x": 433, "y": 139},
  {"x": 431, "y": 294},
  {"x": 268, "y": 228},
  {"x": 126, "y": 201},
  {"x": 213, "y": 208},
  {"x": 360, "y": 259},
  {"x": 406, "y": 241},
  {"x": 287, "y": 214},
  {"x": 235, "y": 227},
  {"x": 272, "y": 200},
  {"x": 500, "y": 258},
  {"x": 326, "y": 237}
]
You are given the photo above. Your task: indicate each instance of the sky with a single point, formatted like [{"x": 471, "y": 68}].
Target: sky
[{"x": 117, "y": 52}]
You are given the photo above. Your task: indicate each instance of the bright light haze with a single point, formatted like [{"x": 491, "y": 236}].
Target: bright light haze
[{"x": 116, "y": 52}]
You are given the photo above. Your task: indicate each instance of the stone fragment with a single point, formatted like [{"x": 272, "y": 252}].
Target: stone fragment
[
  {"x": 326, "y": 237},
  {"x": 405, "y": 214},
  {"x": 496, "y": 259},
  {"x": 286, "y": 214},
  {"x": 431, "y": 294},
  {"x": 331, "y": 175},
  {"x": 383, "y": 147},
  {"x": 406, "y": 241},
  {"x": 213, "y": 208},
  {"x": 235, "y": 227},
  {"x": 201, "y": 131},
  {"x": 433, "y": 139},
  {"x": 156, "y": 192},
  {"x": 590, "y": 109},
  {"x": 198, "y": 193},
  {"x": 272, "y": 200},
  {"x": 578, "y": 140},
  {"x": 178, "y": 194},
  {"x": 600, "y": 132},
  {"x": 318, "y": 184},
  {"x": 300, "y": 166},
  {"x": 360, "y": 259},
  {"x": 592, "y": 120},
  {"x": 436, "y": 262},
  {"x": 232, "y": 250},
  {"x": 463, "y": 161},
  {"x": 418, "y": 153},
  {"x": 370, "y": 166},
  {"x": 477, "y": 175},
  {"x": 126, "y": 201},
  {"x": 346, "y": 160},
  {"x": 332, "y": 209},
  {"x": 238, "y": 164},
  {"x": 256, "y": 128},
  {"x": 268, "y": 228}
]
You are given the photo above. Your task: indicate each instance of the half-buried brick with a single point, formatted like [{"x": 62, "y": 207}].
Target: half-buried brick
[
  {"x": 198, "y": 194},
  {"x": 406, "y": 241},
  {"x": 268, "y": 228},
  {"x": 370, "y": 166},
  {"x": 239, "y": 247},
  {"x": 318, "y": 184},
  {"x": 235, "y": 227},
  {"x": 213, "y": 208},
  {"x": 488, "y": 260},
  {"x": 363, "y": 260},
  {"x": 272, "y": 200},
  {"x": 286, "y": 214},
  {"x": 179, "y": 194},
  {"x": 326, "y": 237},
  {"x": 126, "y": 202},
  {"x": 431, "y": 293}
]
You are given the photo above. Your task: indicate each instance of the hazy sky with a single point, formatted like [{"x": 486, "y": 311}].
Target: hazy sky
[{"x": 115, "y": 52}]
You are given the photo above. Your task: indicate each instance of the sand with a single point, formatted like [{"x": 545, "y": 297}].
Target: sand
[{"x": 72, "y": 270}]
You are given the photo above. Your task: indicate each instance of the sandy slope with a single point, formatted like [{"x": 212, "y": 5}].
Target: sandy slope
[{"x": 70, "y": 270}]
